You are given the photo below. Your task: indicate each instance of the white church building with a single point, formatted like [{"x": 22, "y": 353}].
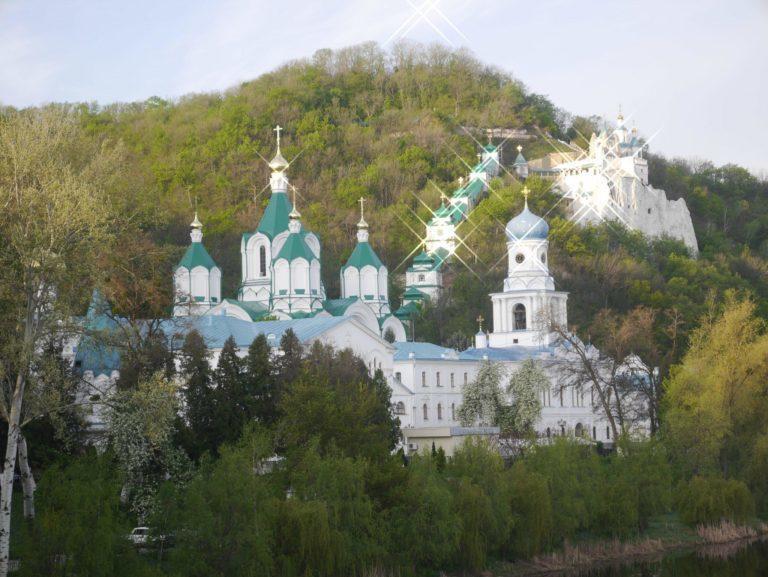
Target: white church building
[{"x": 281, "y": 288}]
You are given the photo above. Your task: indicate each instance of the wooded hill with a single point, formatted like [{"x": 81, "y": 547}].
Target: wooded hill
[{"x": 386, "y": 125}]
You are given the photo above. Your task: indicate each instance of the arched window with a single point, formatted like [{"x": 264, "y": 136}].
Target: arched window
[
  {"x": 579, "y": 430},
  {"x": 608, "y": 432},
  {"x": 439, "y": 412},
  {"x": 594, "y": 433},
  {"x": 519, "y": 313},
  {"x": 400, "y": 408},
  {"x": 549, "y": 432},
  {"x": 262, "y": 260},
  {"x": 453, "y": 411},
  {"x": 426, "y": 412}
]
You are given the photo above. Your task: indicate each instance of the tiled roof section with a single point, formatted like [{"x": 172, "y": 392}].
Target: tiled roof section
[
  {"x": 423, "y": 351},
  {"x": 275, "y": 217},
  {"x": 195, "y": 256},
  {"x": 406, "y": 311},
  {"x": 295, "y": 247},
  {"x": 254, "y": 310},
  {"x": 363, "y": 255},
  {"x": 514, "y": 353},
  {"x": 94, "y": 353},
  {"x": 337, "y": 307},
  {"x": 216, "y": 329}
]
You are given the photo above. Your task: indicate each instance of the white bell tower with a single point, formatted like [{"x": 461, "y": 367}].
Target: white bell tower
[{"x": 529, "y": 303}]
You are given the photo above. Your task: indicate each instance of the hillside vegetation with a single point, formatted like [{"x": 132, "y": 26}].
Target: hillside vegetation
[{"x": 388, "y": 126}]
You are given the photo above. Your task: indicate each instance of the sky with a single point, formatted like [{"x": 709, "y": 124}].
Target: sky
[{"x": 692, "y": 74}]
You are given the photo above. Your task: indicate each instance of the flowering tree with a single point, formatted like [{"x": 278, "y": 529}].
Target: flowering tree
[
  {"x": 141, "y": 425},
  {"x": 483, "y": 399},
  {"x": 525, "y": 387}
]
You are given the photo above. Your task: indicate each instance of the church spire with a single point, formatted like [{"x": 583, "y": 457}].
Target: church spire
[
  {"x": 278, "y": 163},
  {"x": 197, "y": 230},
  {"x": 362, "y": 226},
  {"x": 294, "y": 224}
]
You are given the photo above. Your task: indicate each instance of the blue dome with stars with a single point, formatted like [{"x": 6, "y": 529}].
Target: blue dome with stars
[{"x": 527, "y": 226}]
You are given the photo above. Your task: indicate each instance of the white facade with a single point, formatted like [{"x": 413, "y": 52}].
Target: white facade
[
  {"x": 197, "y": 279},
  {"x": 611, "y": 183}
]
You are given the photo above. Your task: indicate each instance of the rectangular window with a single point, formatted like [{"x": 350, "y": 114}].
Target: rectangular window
[
  {"x": 437, "y": 378},
  {"x": 399, "y": 377},
  {"x": 465, "y": 378},
  {"x": 452, "y": 383},
  {"x": 423, "y": 378}
]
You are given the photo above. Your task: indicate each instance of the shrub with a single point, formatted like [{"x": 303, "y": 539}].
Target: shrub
[
  {"x": 531, "y": 507},
  {"x": 712, "y": 499}
]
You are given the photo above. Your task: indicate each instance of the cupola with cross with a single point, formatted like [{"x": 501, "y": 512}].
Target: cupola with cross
[
  {"x": 197, "y": 278},
  {"x": 364, "y": 275},
  {"x": 257, "y": 249},
  {"x": 296, "y": 284}
]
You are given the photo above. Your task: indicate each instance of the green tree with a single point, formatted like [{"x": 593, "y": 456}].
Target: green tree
[
  {"x": 232, "y": 403},
  {"x": 55, "y": 219},
  {"x": 198, "y": 426},
  {"x": 717, "y": 417},
  {"x": 289, "y": 361},
  {"x": 80, "y": 529},
  {"x": 261, "y": 385}
]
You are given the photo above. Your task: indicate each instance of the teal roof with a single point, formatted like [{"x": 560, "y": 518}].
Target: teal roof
[
  {"x": 433, "y": 260},
  {"x": 490, "y": 148},
  {"x": 363, "y": 255},
  {"x": 412, "y": 293},
  {"x": 406, "y": 311},
  {"x": 275, "y": 217},
  {"x": 456, "y": 212},
  {"x": 337, "y": 307},
  {"x": 295, "y": 247},
  {"x": 195, "y": 256},
  {"x": 216, "y": 329},
  {"x": 423, "y": 258},
  {"x": 254, "y": 310},
  {"x": 520, "y": 160},
  {"x": 94, "y": 352}
]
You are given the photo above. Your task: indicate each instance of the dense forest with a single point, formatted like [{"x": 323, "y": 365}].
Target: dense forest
[{"x": 101, "y": 196}]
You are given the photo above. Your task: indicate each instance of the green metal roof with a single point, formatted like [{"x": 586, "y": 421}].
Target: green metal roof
[
  {"x": 254, "y": 310},
  {"x": 195, "y": 256},
  {"x": 295, "y": 247},
  {"x": 423, "y": 258},
  {"x": 275, "y": 217},
  {"x": 337, "y": 307},
  {"x": 363, "y": 255},
  {"x": 520, "y": 159},
  {"x": 406, "y": 311}
]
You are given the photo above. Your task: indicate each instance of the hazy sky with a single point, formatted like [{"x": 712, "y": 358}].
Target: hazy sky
[{"x": 693, "y": 71}]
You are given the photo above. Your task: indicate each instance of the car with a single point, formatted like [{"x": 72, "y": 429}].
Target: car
[{"x": 139, "y": 536}]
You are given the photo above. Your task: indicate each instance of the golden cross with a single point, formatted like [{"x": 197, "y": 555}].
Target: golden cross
[
  {"x": 526, "y": 192},
  {"x": 480, "y": 320},
  {"x": 277, "y": 129},
  {"x": 362, "y": 202},
  {"x": 519, "y": 147}
]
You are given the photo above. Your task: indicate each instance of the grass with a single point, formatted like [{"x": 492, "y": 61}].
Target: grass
[{"x": 665, "y": 534}]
